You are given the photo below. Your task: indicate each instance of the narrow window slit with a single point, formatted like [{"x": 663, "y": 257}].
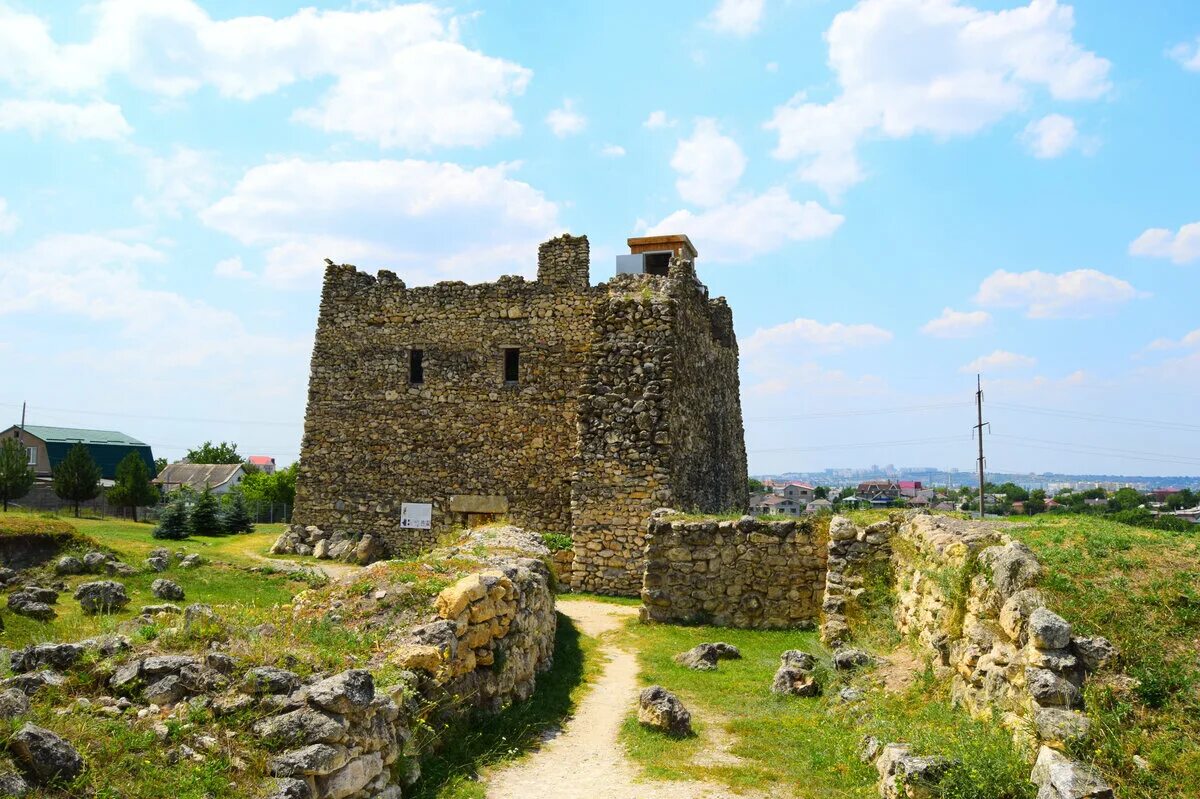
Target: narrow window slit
[
  {"x": 512, "y": 365},
  {"x": 416, "y": 366}
]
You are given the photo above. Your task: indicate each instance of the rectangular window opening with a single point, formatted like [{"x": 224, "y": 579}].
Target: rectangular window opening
[
  {"x": 416, "y": 366},
  {"x": 512, "y": 365},
  {"x": 657, "y": 263},
  {"x": 31, "y": 452}
]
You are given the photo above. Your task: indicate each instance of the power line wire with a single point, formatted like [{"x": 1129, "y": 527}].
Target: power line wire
[
  {"x": 1096, "y": 417},
  {"x": 865, "y": 412}
]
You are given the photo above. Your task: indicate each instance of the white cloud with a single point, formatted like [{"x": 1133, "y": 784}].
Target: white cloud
[
  {"x": 751, "y": 225},
  {"x": 801, "y": 338},
  {"x": 956, "y": 324},
  {"x": 565, "y": 120},
  {"x": 772, "y": 66},
  {"x": 1051, "y": 136},
  {"x": 1181, "y": 247},
  {"x": 936, "y": 67},
  {"x": 999, "y": 360},
  {"x": 738, "y": 17},
  {"x": 183, "y": 180},
  {"x": 399, "y": 75},
  {"x": 1188, "y": 55},
  {"x": 1078, "y": 294},
  {"x": 1189, "y": 340},
  {"x": 612, "y": 151},
  {"x": 709, "y": 164},
  {"x": 8, "y": 220},
  {"x": 94, "y": 120},
  {"x": 426, "y": 220},
  {"x": 232, "y": 267},
  {"x": 658, "y": 119}
]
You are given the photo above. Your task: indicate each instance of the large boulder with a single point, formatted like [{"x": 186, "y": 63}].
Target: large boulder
[
  {"x": 704, "y": 657},
  {"x": 1059, "y": 777},
  {"x": 1014, "y": 568},
  {"x": 301, "y": 727},
  {"x": 661, "y": 710},
  {"x": 44, "y": 756},
  {"x": 1094, "y": 653},
  {"x": 102, "y": 596},
  {"x": 311, "y": 760},
  {"x": 795, "y": 675},
  {"x": 93, "y": 562},
  {"x": 848, "y": 659},
  {"x": 1050, "y": 690},
  {"x": 1048, "y": 630},
  {"x": 270, "y": 680},
  {"x": 69, "y": 564},
  {"x": 369, "y": 550},
  {"x": 157, "y": 564},
  {"x": 167, "y": 589},
  {"x": 37, "y": 656},
  {"x": 26, "y": 603}
]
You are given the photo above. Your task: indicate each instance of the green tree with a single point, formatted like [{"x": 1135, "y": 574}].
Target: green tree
[
  {"x": 1036, "y": 502},
  {"x": 1012, "y": 492},
  {"x": 1181, "y": 499},
  {"x": 173, "y": 524},
  {"x": 209, "y": 452},
  {"x": 234, "y": 516},
  {"x": 77, "y": 477},
  {"x": 16, "y": 476},
  {"x": 279, "y": 488},
  {"x": 755, "y": 486},
  {"x": 133, "y": 488},
  {"x": 159, "y": 465},
  {"x": 1126, "y": 499},
  {"x": 205, "y": 518},
  {"x": 821, "y": 492}
]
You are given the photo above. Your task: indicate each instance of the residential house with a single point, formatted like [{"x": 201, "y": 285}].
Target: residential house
[
  {"x": 220, "y": 477},
  {"x": 46, "y": 447},
  {"x": 802, "y": 493},
  {"x": 819, "y": 506},
  {"x": 775, "y": 504},
  {"x": 264, "y": 463},
  {"x": 873, "y": 490},
  {"x": 910, "y": 488}
]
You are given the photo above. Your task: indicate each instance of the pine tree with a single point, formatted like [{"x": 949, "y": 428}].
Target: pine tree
[
  {"x": 173, "y": 524},
  {"x": 235, "y": 518},
  {"x": 77, "y": 477},
  {"x": 133, "y": 487},
  {"x": 206, "y": 518},
  {"x": 16, "y": 478}
]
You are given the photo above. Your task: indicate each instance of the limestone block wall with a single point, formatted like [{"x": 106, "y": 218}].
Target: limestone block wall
[
  {"x": 966, "y": 592},
  {"x": 746, "y": 573},
  {"x": 373, "y": 439},
  {"x": 855, "y": 553}
]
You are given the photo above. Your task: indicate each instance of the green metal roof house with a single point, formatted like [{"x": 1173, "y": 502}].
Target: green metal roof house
[{"x": 47, "y": 446}]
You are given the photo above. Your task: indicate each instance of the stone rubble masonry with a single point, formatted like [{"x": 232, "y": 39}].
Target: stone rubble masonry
[
  {"x": 746, "y": 573},
  {"x": 967, "y": 593},
  {"x": 853, "y": 553},
  {"x": 627, "y": 401}
]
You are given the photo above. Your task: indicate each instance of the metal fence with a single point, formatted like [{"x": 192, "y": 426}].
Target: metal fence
[
  {"x": 42, "y": 498},
  {"x": 260, "y": 512}
]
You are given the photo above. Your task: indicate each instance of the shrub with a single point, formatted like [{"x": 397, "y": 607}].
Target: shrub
[
  {"x": 16, "y": 478},
  {"x": 234, "y": 516},
  {"x": 173, "y": 524},
  {"x": 557, "y": 542}
]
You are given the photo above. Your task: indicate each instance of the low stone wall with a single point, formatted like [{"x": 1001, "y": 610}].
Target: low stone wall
[
  {"x": 745, "y": 573},
  {"x": 854, "y": 554},
  {"x": 966, "y": 592}
]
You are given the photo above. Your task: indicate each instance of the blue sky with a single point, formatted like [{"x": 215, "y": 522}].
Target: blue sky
[{"x": 893, "y": 195}]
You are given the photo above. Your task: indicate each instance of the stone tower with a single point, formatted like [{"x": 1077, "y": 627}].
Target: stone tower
[{"x": 561, "y": 406}]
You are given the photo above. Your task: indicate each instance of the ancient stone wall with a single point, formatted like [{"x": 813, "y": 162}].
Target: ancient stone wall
[
  {"x": 745, "y": 573},
  {"x": 373, "y": 439},
  {"x": 856, "y": 556},
  {"x": 967, "y": 593}
]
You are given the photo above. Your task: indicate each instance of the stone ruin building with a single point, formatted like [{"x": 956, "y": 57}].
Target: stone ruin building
[{"x": 563, "y": 406}]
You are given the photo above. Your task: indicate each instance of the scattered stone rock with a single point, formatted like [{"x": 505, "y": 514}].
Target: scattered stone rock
[
  {"x": 704, "y": 657},
  {"x": 270, "y": 680},
  {"x": 158, "y": 665},
  {"x": 190, "y": 561},
  {"x": 157, "y": 564},
  {"x": 69, "y": 564},
  {"x": 165, "y": 691},
  {"x": 369, "y": 550},
  {"x": 13, "y": 785},
  {"x": 1059, "y": 728},
  {"x": 847, "y": 659},
  {"x": 54, "y": 656},
  {"x": 155, "y": 610},
  {"x": 661, "y": 710},
  {"x": 869, "y": 749},
  {"x": 851, "y": 694},
  {"x": 200, "y": 618},
  {"x": 166, "y": 589},
  {"x": 93, "y": 562},
  {"x": 348, "y": 692},
  {"x": 26, "y": 603},
  {"x": 102, "y": 596},
  {"x": 1094, "y": 653},
  {"x": 1059, "y": 777},
  {"x": 291, "y": 788},
  {"x": 31, "y": 682},
  {"x": 903, "y": 775},
  {"x": 44, "y": 756},
  {"x": 1050, "y": 690},
  {"x": 125, "y": 675},
  {"x": 117, "y": 568},
  {"x": 220, "y": 662},
  {"x": 13, "y": 703}
]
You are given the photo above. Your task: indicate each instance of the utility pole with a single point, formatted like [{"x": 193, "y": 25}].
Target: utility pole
[
  {"x": 22, "y": 417},
  {"x": 979, "y": 430}
]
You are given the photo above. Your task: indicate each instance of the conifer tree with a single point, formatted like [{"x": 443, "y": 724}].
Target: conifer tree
[
  {"x": 206, "y": 514},
  {"x": 16, "y": 477},
  {"x": 133, "y": 488},
  {"x": 77, "y": 477},
  {"x": 173, "y": 524},
  {"x": 235, "y": 518}
]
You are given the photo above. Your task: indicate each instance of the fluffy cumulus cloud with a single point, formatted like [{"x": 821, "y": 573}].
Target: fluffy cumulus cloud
[
  {"x": 738, "y": 17},
  {"x": 956, "y": 324},
  {"x": 612, "y": 151},
  {"x": 1189, "y": 341},
  {"x": 399, "y": 75},
  {"x": 71, "y": 121},
  {"x": 1182, "y": 246},
  {"x": 426, "y": 220},
  {"x": 1188, "y": 54},
  {"x": 1051, "y": 136},
  {"x": 232, "y": 267},
  {"x": 8, "y": 219},
  {"x": 658, "y": 119},
  {"x": 1078, "y": 294},
  {"x": 751, "y": 225},
  {"x": 182, "y": 180},
  {"x": 709, "y": 164},
  {"x": 805, "y": 337},
  {"x": 936, "y": 67},
  {"x": 998, "y": 361},
  {"x": 566, "y": 120}
]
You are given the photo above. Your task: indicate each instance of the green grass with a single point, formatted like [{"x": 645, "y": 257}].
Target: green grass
[
  {"x": 1141, "y": 589},
  {"x": 481, "y": 741},
  {"x": 805, "y": 747}
]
